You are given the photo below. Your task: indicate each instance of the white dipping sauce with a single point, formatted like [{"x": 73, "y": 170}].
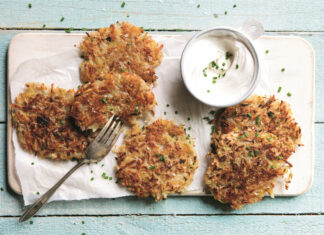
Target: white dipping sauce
[{"x": 218, "y": 69}]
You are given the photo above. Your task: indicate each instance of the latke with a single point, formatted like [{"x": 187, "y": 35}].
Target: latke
[
  {"x": 119, "y": 48},
  {"x": 156, "y": 160},
  {"x": 40, "y": 115},
  {"x": 125, "y": 95},
  {"x": 250, "y": 150}
]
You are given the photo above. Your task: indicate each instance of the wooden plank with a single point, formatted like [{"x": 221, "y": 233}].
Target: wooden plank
[
  {"x": 310, "y": 202},
  {"x": 166, "y": 225},
  {"x": 316, "y": 39},
  {"x": 163, "y": 14}
]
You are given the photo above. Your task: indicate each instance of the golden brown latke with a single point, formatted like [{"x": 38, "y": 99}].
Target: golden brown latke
[
  {"x": 125, "y": 95},
  {"x": 156, "y": 160},
  {"x": 40, "y": 115},
  {"x": 250, "y": 150},
  {"x": 119, "y": 48}
]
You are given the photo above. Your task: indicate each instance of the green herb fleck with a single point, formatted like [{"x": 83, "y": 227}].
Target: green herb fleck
[
  {"x": 278, "y": 122},
  {"x": 82, "y": 222},
  {"x": 283, "y": 70},
  {"x": 279, "y": 89},
  {"x": 31, "y": 222},
  {"x": 62, "y": 19},
  {"x": 247, "y": 147},
  {"x": 162, "y": 158},
  {"x": 189, "y": 128},
  {"x": 37, "y": 193},
  {"x": 272, "y": 167},
  {"x": 123, "y": 5},
  {"x": 122, "y": 69},
  {"x": 271, "y": 114},
  {"x": 256, "y": 134},
  {"x": 176, "y": 112},
  {"x": 143, "y": 128},
  {"x": 279, "y": 157},
  {"x": 236, "y": 66},
  {"x": 91, "y": 178},
  {"x": 102, "y": 165},
  {"x": 269, "y": 138},
  {"x": 165, "y": 113},
  {"x": 62, "y": 122},
  {"x": 245, "y": 134},
  {"x": 152, "y": 167},
  {"x": 69, "y": 30},
  {"x": 83, "y": 29},
  {"x": 44, "y": 25},
  {"x": 104, "y": 100},
  {"x": 256, "y": 152},
  {"x": 213, "y": 64},
  {"x": 208, "y": 91},
  {"x": 225, "y": 12},
  {"x": 267, "y": 51},
  {"x": 288, "y": 94},
  {"x": 1, "y": 189},
  {"x": 30, "y": 5},
  {"x": 198, "y": 6},
  {"x": 250, "y": 153},
  {"x": 258, "y": 120},
  {"x": 240, "y": 137},
  {"x": 110, "y": 178},
  {"x": 249, "y": 115},
  {"x": 234, "y": 6},
  {"x": 223, "y": 64},
  {"x": 228, "y": 55},
  {"x": 91, "y": 171},
  {"x": 168, "y": 105},
  {"x": 188, "y": 119}
]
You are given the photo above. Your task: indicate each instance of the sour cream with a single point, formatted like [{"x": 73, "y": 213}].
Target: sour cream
[{"x": 218, "y": 69}]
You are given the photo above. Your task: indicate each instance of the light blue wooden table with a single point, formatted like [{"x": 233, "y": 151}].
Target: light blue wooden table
[{"x": 177, "y": 215}]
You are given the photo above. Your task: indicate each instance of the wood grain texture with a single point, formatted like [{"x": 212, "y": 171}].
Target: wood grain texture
[
  {"x": 290, "y": 15},
  {"x": 167, "y": 225},
  {"x": 310, "y": 202}
]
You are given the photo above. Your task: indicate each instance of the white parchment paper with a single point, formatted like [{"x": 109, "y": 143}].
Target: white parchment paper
[{"x": 62, "y": 69}]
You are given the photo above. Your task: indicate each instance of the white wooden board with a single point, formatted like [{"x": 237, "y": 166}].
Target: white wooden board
[{"x": 293, "y": 53}]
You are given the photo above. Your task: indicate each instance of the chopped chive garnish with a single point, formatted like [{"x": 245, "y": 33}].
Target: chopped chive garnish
[
  {"x": 223, "y": 64},
  {"x": 272, "y": 167},
  {"x": 250, "y": 153},
  {"x": 256, "y": 134},
  {"x": 236, "y": 66},
  {"x": 245, "y": 134},
  {"x": 228, "y": 55},
  {"x": 104, "y": 100},
  {"x": 279, "y": 89},
  {"x": 82, "y": 222},
  {"x": 122, "y": 69},
  {"x": 123, "y": 5},
  {"x": 168, "y": 105},
  {"x": 213, "y": 64},
  {"x": 188, "y": 119},
  {"x": 213, "y": 129},
  {"x": 62, "y": 19},
  {"x": 44, "y": 146},
  {"x": 30, "y": 5},
  {"x": 279, "y": 157},
  {"x": 37, "y": 193},
  {"x": 91, "y": 178},
  {"x": 249, "y": 115},
  {"x": 269, "y": 138},
  {"x": 198, "y": 6},
  {"x": 62, "y": 122},
  {"x": 69, "y": 30},
  {"x": 176, "y": 112},
  {"x": 152, "y": 167},
  {"x": 289, "y": 94},
  {"x": 247, "y": 147},
  {"x": 225, "y": 12},
  {"x": 258, "y": 120},
  {"x": 44, "y": 25},
  {"x": 256, "y": 152},
  {"x": 110, "y": 178},
  {"x": 208, "y": 91},
  {"x": 240, "y": 137},
  {"x": 162, "y": 158},
  {"x": 189, "y": 128},
  {"x": 91, "y": 171},
  {"x": 102, "y": 165},
  {"x": 283, "y": 70},
  {"x": 271, "y": 114},
  {"x": 267, "y": 51},
  {"x": 31, "y": 222},
  {"x": 278, "y": 122},
  {"x": 164, "y": 113},
  {"x": 234, "y": 5}
]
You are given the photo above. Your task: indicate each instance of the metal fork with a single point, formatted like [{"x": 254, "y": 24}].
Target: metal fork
[{"x": 95, "y": 152}]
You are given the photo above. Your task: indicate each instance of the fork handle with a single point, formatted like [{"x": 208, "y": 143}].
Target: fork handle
[{"x": 43, "y": 199}]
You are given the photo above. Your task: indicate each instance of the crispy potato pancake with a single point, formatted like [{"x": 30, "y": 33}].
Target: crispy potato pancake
[
  {"x": 156, "y": 160},
  {"x": 250, "y": 149},
  {"x": 40, "y": 115},
  {"x": 119, "y": 48},
  {"x": 125, "y": 95}
]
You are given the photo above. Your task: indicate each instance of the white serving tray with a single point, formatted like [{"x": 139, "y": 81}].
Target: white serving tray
[{"x": 293, "y": 53}]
